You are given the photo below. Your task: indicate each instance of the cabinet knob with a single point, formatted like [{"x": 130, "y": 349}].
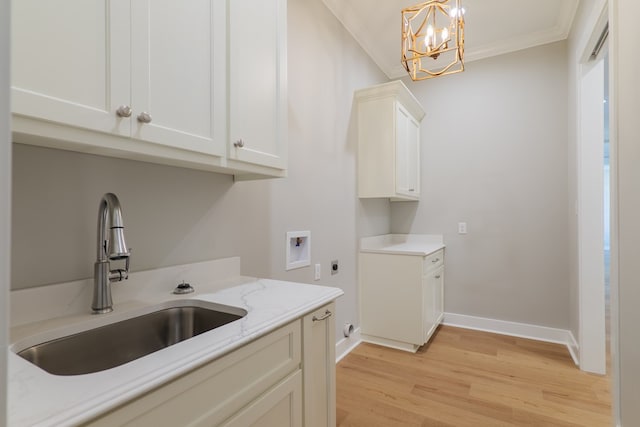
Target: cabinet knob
[
  {"x": 124, "y": 111},
  {"x": 144, "y": 117},
  {"x": 437, "y": 277},
  {"x": 239, "y": 143},
  {"x": 412, "y": 189},
  {"x": 326, "y": 315}
]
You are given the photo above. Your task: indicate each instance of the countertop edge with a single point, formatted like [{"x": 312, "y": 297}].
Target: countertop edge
[{"x": 390, "y": 251}]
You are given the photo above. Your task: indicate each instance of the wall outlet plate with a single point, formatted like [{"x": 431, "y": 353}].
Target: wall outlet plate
[
  {"x": 298, "y": 244},
  {"x": 334, "y": 267}
]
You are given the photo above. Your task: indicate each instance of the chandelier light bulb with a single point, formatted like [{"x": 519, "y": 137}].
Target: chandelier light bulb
[
  {"x": 429, "y": 39},
  {"x": 445, "y": 34},
  {"x": 429, "y": 31},
  {"x": 453, "y": 12}
]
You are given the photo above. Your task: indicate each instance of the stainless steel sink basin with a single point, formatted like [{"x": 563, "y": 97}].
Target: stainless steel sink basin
[{"x": 115, "y": 344}]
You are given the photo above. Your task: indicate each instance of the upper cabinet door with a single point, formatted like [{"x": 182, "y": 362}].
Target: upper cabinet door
[
  {"x": 407, "y": 153},
  {"x": 177, "y": 53},
  {"x": 258, "y": 82},
  {"x": 70, "y": 70}
]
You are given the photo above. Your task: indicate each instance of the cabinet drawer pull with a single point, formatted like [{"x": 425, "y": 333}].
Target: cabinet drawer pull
[
  {"x": 326, "y": 315},
  {"x": 435, "y": 260},
  {"x": 124, "y": 111},
  {"x": 144, "y": 117},
  {"x": 411, "y": 189},
  {"x": 437, "y": 277}
]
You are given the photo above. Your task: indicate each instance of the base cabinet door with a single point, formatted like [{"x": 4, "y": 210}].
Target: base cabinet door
[
  {"x": 319, "y": 368},
  {"x": 433, "y": 300}
]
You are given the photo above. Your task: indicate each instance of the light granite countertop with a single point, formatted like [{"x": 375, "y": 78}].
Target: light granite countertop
[
  {"x": 402, "y": 244},
  {"x": 37, "y": 398}
]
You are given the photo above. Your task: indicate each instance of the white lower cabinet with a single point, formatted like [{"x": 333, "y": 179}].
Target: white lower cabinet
[
  {"x": 319, "y": 368},
  {"x": 286, "y": 378},
  {"x": 402, "y": 298}
]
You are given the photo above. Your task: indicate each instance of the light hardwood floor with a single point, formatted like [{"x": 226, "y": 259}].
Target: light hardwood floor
[{"x": 469, "y": 378}]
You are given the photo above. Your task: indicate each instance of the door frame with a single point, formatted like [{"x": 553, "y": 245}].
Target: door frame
[{"x": 591, "y": 293}]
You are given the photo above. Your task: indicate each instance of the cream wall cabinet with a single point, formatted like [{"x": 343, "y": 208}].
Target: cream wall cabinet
[
  {"x": 286, "y": 378},
  {"x": 319, "y": 368},
  {"x": 149, "y": 81},
  {"x": 401, "y": 298},
  {"x": 258, "y": 82},
  {"x": 389, "y": 119}
]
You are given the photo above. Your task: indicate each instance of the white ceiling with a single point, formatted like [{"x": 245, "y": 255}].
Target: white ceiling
[{"x": 492, "y": 27}]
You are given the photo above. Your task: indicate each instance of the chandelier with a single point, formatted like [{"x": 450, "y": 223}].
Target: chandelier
[{"x": 433, "y": 39}]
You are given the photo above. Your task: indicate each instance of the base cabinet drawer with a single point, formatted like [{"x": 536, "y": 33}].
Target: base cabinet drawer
[
  {"x": 279, "y": 407},
  {"x": 211, "y": 394}
]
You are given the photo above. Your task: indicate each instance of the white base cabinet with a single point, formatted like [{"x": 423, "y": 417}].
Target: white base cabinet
[
  {"x": 401, "y": 298},
  {"x": 286, "y": 378},
  {"x": 319, "y": 353}
]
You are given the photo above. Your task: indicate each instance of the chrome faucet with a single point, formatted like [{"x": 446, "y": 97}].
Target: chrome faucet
[{"x": 111, "y": 247}]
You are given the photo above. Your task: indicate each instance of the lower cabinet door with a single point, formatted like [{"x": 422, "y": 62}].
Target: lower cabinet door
[
  {"x": 279, "y": 407},
  {"x": 319, "y": 367},
  {"x": 438, "y": 295},
  {"x": 433, "y": 301}
]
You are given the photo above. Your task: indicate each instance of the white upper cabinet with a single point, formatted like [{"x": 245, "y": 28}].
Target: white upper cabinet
[
  {"x": 161, "y": 81},
  {"x": 389, "y": 119},
  {"x": 258, "y": 82},
  {"x": 70, "y": 70},
  {"x": 173, "y": 92}
]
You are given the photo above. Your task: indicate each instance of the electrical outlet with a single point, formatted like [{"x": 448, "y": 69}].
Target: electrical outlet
[
  {"x": 462, "y": 228},
  {"x": 334, "y": 267},
  {"x": 316, "y": 276}
]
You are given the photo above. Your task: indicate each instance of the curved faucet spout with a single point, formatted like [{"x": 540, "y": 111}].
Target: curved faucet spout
[
  {"x": 111, "y": 247},
  {"x": 110, "y": 217}
]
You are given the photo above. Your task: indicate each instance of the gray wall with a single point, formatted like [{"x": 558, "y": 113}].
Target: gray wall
[
  {"x": 494, "y": 155},
  {"x": 174, "y": 216}
]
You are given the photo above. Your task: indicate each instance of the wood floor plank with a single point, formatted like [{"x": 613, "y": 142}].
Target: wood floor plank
[{"x": 469, "y": 378}]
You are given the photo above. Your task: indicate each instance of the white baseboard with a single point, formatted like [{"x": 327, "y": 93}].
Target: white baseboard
[
  {"x": 574, "y": 349},
  {"x": 345, "y": 345},
  {"x": 522, "y": 330}
]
